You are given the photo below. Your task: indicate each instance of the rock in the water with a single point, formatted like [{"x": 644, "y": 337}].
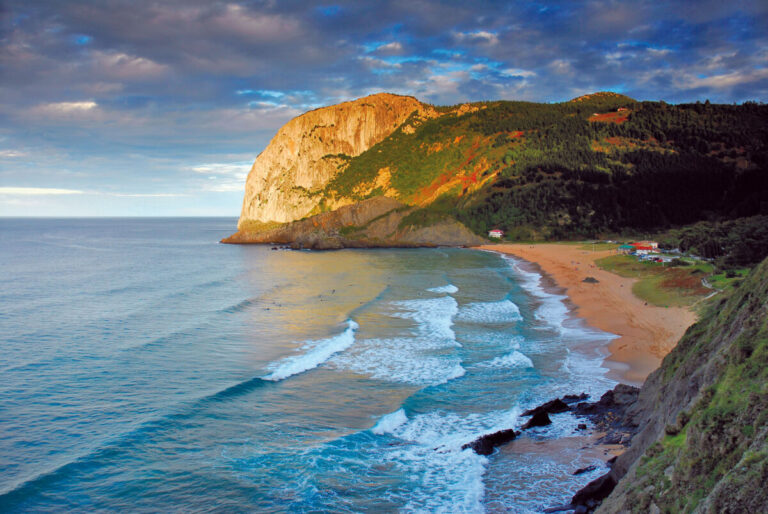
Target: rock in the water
[
  {"x": 484, "y": 445},
  {"x": 594, "y": 492},
  {"x": 581, "y": 471},
  {"x": 540, "y": 419},
  {"x": 551, "y": 407},
  {"x": 573, "y": 398}
]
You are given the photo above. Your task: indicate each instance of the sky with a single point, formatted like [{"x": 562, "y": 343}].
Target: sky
[{"x": 158, "y": 108}]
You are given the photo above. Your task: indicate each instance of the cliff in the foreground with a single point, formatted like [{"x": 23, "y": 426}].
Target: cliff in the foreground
[{"x": 702, "y": 444}]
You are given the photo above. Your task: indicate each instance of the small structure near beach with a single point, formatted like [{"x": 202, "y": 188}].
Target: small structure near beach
[
  {"x": 645, "y": 247},
  {"x": 496, "y": 234},
  {"x": 626, "y": 249}
]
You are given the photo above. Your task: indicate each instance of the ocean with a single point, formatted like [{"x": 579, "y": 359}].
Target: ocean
[{"x": 146, "y": 367}]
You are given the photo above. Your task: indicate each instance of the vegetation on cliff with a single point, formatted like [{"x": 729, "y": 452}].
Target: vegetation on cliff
[
  {"x": 703, "y": 444},
  {"x": 602, "y": 164},
  {"x": 599, "y": 164}
]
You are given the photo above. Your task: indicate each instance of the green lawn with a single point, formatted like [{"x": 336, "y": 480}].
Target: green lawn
[
  {"x": 598, "y": 247},
  {"x": 659, "y": 284},
  {"x": 723, "y": 282}
]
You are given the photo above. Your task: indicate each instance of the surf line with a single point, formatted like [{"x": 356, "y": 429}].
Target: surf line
[{"x": 319, "y": 352}]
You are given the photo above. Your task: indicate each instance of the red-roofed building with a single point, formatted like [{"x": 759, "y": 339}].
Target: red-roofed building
[{"x": 496, "y": 233}]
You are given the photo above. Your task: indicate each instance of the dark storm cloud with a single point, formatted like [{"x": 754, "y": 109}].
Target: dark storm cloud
[{"x": 203, "y": 83}]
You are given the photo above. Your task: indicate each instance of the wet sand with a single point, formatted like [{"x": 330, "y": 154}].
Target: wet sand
[{"x": 646, "y": 333}]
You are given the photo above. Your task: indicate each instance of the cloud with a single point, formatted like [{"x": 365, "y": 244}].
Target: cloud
[
  {"x": 38, "y": 191},
  {"x": 723, "y": 81},
  {"x": 515, "y": 72},
  {"x": 118, "y": 65},
  {"x": 12, "y": 154},
  {"x": 68, "y": 107},
  {"x": 223, "y": 177},
  {"x": 145, "y": 195},
  {"x": 478, "y": 36},
  {"x": 132, "y": 96}
]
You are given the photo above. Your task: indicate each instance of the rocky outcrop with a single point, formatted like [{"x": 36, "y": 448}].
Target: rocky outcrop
[
  {"x": 306, "y": 153},
  {"x": 376, "y": 222},
  {"x": 702, "y": 419},
  {"x": 484, "y": 445}
]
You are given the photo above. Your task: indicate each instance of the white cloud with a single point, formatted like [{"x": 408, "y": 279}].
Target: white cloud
[
  {"x": 38, "y": 191},
  {"x": 561, "y": 67},
  {"x": 478, "y": 36},
  {"x": 68, "y": 107},
  {"x": 517, "y": 72},
  {"x": 224, "y": 168},
  {"x": 658, "y": 52},
  {"x": 12, "y": 153},
  {"x": 373, "y": 62},
  {"x": 724, "y": 80},
  {"x": 145, "y": 195},
  {"x": 123, "y": 66},
  {"x": 224, "y": 177},
  {"x": 392, "y": 47},
  {"x": 253, "y": 26}
]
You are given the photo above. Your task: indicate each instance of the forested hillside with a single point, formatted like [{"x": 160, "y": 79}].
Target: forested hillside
[{"x": 602, "y": 163}]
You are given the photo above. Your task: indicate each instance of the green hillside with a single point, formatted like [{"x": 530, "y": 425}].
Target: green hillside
[{"x": 602, "y": 163}]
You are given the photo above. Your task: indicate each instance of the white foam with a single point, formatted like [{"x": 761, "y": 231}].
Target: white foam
[
  {"x": 389, "y": 422},
  {"x": 417, "y": 361},
  {"x": 503, "y": 311},
  {"x": 450, "y": 289},
  {"x": 422, "y": 359},
  {"x": 552, "y": 309},
  {"x": 434, "y": 316},
  {"x": 511, "y": 360},
  {"x": 448, "y": 478},
  {"x": 318, "y": 352},
  {"x": 585, "y": 372}
]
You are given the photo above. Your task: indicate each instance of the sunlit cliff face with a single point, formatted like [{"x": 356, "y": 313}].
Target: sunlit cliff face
[{"x": 306, "y": 153}]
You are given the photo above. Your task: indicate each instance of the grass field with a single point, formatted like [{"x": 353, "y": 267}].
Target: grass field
[
  {"x": 659, "y": 284},
  {"x": 598, "y": 247}
]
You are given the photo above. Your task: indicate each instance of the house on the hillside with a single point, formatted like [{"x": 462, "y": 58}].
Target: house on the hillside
[
  {"x": 621, "y": 109},
  {"x": 496, "y": 234}
]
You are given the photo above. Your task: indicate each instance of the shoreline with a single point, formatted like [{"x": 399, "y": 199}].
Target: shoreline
[{"x": 646, "y": 333}]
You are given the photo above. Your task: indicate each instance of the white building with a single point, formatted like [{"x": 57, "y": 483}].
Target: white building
[{"x": 496, "y": 233}]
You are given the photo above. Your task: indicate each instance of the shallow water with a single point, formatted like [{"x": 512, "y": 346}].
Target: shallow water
[{"x": 146, "y": 367}]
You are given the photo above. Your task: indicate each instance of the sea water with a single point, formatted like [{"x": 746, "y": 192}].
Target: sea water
[{"x": 145, "y": 367}]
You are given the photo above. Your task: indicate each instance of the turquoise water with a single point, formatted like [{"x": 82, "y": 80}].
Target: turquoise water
[{"x": 147, "y": 368}]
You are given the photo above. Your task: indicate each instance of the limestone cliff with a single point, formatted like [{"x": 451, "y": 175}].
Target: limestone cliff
[
  {"x": 307, "y": 151},
  {"x": 375, "y": 222}
]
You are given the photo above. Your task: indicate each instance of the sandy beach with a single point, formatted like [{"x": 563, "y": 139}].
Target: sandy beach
[{"x": 646, "y": 333}]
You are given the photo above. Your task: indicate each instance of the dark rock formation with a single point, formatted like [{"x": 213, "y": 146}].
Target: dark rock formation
[
  {"x": 594, "y": 492},
  {"x": 573, "y": 398},
  {"x": 540, "y": 419},
  {"x": 581, "y": 471},
  {"x": 590, "y": 280},
  {"x": 551, "y": 407},
  {"x": 700, "y": 418},
  {"x": 484, "y": 445}
]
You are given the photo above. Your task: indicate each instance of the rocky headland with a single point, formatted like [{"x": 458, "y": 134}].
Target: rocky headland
[{"x": 376, "y": 222}]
